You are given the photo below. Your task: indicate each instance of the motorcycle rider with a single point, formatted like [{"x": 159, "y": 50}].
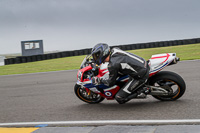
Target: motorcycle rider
[{"x": 123, "y": 63}]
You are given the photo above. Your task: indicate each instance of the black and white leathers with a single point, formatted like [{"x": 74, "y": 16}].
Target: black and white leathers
[{"x": 125, "y": 63}]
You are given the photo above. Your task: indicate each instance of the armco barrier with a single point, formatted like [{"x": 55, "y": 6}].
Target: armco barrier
[
  {"x": 24, "y": 59},
  {"x": 48, "y": 56}
]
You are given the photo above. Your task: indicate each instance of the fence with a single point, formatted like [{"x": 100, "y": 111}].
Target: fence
[{"x": 24, "y": 59}]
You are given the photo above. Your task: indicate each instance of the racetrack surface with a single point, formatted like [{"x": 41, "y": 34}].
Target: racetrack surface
[{"x": 50, "y": 97}]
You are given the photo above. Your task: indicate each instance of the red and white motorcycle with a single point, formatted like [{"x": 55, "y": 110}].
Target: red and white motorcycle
[{"x": 162, "y": 85}]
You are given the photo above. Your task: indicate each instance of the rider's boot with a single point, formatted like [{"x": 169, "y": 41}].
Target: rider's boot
[
  {"x": 130, "y": 90},
  {"x": 123, "y": 97},
  {"x": 143, "y": 92}
]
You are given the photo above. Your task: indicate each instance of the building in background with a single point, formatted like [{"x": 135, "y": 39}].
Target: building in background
[
  {"x": 34, "y": 47},
  {"x": 2, "y": 60}
]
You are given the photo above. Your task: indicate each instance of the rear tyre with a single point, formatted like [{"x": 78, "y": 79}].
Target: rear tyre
[
  {"x": 90, "y": 97},
  {"x": 172, "y": 80}
]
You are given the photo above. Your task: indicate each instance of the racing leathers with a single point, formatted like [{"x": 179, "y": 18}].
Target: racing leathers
[{"x": 125, "y": 63}]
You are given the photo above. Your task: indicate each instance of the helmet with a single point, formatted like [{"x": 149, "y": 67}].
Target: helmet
[{"x": 100, "y": 52}]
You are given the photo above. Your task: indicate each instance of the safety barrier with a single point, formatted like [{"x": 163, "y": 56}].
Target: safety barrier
[{"x": 24, "y": 59}]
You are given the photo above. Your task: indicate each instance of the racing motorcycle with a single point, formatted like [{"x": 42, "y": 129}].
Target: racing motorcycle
[{"x": 162, "y": 85}]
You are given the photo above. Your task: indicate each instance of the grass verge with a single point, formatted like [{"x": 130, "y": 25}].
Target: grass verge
[{"x": 185, "y": 52}]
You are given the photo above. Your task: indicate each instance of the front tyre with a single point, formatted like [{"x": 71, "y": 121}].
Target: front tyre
[
  {"x": 88, "y": 97},
  {"x": 171, "y": 80}
]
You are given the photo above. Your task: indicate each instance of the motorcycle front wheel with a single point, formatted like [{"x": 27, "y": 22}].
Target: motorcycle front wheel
[
  {"x": 166, "y": 79},
  {"x": 88, "y": 97}
]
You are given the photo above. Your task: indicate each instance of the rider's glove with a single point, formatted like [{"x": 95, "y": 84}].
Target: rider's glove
[{"x": 96, "y": 80}]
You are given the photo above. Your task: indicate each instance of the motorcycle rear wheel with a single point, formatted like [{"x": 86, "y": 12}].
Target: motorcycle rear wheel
[
  {"x": 171, "y": 79},
  {"x": 83, "y": 95}
]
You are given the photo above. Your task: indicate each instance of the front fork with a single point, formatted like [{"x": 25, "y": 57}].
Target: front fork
[{"x": 88, "y": 91}]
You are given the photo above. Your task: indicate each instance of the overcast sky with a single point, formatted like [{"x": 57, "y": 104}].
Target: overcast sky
[{"x": 76, "y": 24}]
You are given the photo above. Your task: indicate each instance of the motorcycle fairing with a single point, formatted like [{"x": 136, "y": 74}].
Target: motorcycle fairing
[
  {"x": 103, "y": 90},
  {"x": 160, "y": 61}
]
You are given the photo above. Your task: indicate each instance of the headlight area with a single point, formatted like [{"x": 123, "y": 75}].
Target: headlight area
[{"x": 79, "y": 75}]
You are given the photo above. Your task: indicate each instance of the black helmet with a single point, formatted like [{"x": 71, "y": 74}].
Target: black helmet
[{"x": 100, "y": 52}]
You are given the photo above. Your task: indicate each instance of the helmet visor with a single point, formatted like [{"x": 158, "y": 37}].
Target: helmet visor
[{"x": 96, "y": 56}]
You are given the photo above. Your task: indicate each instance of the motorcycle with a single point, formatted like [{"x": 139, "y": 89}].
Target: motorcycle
[{"x": 162, "y": 85}]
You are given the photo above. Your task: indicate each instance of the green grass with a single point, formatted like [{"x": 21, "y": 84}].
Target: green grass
[{"x": 185, "y": 52}]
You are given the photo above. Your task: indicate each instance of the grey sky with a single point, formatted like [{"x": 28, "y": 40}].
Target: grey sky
[{"x": 76, "y": 24}]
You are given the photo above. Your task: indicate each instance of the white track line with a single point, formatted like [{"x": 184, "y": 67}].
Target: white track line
[{"x": 109, "y": 122}]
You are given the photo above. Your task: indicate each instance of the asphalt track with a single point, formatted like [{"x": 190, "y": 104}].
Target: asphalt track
[{"x": 49, "y": 96}]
